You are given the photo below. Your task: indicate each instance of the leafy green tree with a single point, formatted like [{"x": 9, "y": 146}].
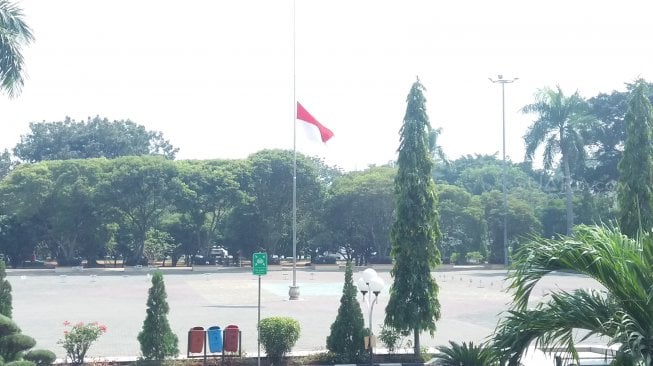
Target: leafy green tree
[
  {"x": 462, "y": 221},
  {"x": 19, "y": 237},
  {"x": 359, "y": 212},
  {"x": 6, "y": 306},
  {"x": 23, "y": 221},
  {"x": 606, "y": 139},
  {"x": 621, "y": 311},
  {"x": 266, "y": 221},
  {"x": 15, "y": 35},
  {"x": 157, "y": 244},
  {"x": 139, "y": 191},
  {"x": 348, "y": 330},
  {"x": 559, "y": 128},
  {"x": 413, "y": 304},
  {"x": 5, "y": 163},
  {"x": 77, "y": 226},
  {"x": 212, "y": 192},
  {"x": 608, "y": 136},
  {"x": 94, "y": 138},
  {"x": 521, "y": 216},
  {"x": 635, "y": 186},
  {"x": 157, "y": 340}
]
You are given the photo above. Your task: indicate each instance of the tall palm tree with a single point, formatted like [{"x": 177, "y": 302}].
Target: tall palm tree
[
  {"x": 559, "y": 126},
  {"x": 14, "y": 34},
  {"x": 622, "y": 311}
]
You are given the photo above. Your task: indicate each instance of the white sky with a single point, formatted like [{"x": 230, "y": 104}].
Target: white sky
[{"x": 216, "y": 77}]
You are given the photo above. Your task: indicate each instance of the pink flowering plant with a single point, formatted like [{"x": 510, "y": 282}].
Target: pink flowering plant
[{"x": 77, "y": 339}]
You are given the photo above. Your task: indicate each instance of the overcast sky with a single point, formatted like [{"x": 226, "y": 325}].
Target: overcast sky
[{"x": 216, "y": 77}]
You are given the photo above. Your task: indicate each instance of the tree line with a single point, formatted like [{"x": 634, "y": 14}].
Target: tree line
[{"x": 98, "y": 188}]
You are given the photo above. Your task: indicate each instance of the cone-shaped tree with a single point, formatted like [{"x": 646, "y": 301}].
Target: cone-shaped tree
[
  {"x": 157, "y": 339},
  {"x": 348, "y": 330},
  {"x": 413, "y": 304},
  {"x": 6, "y": 306},
  {"x": 636, "y": 166}
]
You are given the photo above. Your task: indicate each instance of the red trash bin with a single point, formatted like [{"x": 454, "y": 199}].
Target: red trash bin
[
  {"x": 231, "y": 338},
  {"x": 196, "y": 336}
]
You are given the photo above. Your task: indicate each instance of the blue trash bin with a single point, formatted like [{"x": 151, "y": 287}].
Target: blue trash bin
[{"x": 215, "y": 339}]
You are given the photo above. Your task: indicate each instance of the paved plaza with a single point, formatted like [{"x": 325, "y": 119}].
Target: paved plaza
[{"x": 471, "y": 300}]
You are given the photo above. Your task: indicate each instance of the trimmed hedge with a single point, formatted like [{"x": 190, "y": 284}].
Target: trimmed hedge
[
  {"x": 41, "y": 356},
  {"x": 278, "y": 336}
]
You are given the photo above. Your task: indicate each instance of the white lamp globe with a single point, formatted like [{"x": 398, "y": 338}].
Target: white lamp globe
[
  {"x": 368, "y": 274},
  {"x": 362, "y": 285},
  {"x": 376, "y": 285}
]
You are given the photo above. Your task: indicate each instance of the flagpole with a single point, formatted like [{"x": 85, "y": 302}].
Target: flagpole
[{"x": 293, "y": 292}]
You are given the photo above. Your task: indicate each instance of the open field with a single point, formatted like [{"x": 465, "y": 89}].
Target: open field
[{"x": 471, "y": 301}]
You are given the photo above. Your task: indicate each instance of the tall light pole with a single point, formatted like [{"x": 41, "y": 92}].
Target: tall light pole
[{"x": 503, "y": 83}]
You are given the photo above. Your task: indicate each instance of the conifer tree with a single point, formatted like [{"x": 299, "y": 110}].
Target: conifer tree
[
  {"x": 348, "y": 330},
  {"x": 6, "y": 306},
  {"x": 636, "y": 166},
  {"x": 156, "y": 338},
  {"x": 413, "y": 304}
]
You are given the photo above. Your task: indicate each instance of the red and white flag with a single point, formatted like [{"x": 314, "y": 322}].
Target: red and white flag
[{"x": 315, "y": 127}]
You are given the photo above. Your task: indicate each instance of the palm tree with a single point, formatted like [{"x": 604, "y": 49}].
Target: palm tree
[
  {"x": 559, "y": 126},
  {"x": 622, "y": 311},
  {"x": 14, "y": 33}
]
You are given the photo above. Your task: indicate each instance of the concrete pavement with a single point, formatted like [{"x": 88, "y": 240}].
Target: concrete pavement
[{"x": 471, "y": 301}]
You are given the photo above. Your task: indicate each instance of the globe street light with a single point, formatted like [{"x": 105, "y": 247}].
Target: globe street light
[
  {"x": 370, "y": 283},
  {"x": 503, "y": 83}
]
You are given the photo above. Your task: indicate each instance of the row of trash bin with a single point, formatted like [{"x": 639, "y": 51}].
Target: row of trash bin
[{"x": 214, "y": 339}]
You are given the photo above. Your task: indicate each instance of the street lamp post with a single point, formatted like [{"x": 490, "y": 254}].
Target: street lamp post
[
  {"x": 370, "y": 283},
  {"x": 503, "y": 83}
]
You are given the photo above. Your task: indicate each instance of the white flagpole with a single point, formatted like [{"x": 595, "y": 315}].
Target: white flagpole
[{"x": 293, "y": 292}]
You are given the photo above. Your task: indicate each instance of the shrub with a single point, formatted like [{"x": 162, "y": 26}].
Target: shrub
[
  {"x": 12, "y": 346},
  {"x": 20, "y": 363},
  {"x": 41, "y": 357},
  {"x": 5, "y": 292},
  {"x": 454, "y": 258},
  {"x": 79, "y": 338},
  {"x": 474, "y": 257},
  {"x": 156, "y": 338},
  {"x": 392, "y": 338},
  {"x": 7, "y": 326},
  {"x": 323, "y": 260},
  {"x": 278, "y": 336},
  {"x": 347, "y": 331},
  {"x": 465, "y": 355}
]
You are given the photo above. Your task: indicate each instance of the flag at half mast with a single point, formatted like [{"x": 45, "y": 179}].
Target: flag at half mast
[{"x": 303, "y": 115}]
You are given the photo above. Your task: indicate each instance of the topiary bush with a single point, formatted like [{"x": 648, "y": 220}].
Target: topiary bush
[
  {"x": 5, "y": 292},
  {"x": 13, "y": 345},
  {"x": 157, "y": 340},
  {"x": 346, "y": 340},
  {"x": 278, "y": 336},
  {"x": 12, "y": 342},
  {"x": 7, "y": 326},
  {"x": 40, "y": 357}
]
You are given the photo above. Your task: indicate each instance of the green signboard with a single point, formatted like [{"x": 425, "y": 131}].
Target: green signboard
[{"x": 260, "y": 264}]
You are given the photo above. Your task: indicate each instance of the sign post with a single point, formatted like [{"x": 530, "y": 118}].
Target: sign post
[
  {"x": 260, "y": 264},
  {"x": 259, "y": 268}
]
